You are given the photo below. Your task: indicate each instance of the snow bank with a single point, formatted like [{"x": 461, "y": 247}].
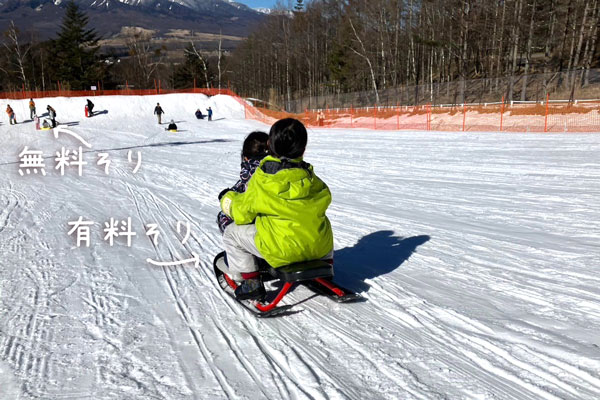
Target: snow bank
[{"x": 176, "y": 106}]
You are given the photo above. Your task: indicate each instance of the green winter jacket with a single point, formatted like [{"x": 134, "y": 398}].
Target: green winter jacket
[{"x": 287, "y": 203}]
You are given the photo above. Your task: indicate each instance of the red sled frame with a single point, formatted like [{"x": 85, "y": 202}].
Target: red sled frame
[{"x": 316, "y": 274}]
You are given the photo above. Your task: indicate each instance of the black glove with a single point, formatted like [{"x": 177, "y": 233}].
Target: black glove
[{"x": 223, "y": 192}]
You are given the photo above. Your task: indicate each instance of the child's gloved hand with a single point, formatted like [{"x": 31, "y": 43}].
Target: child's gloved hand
[
  {"x": 226, "y": 203},
  {"x": 223, "y": 193}
]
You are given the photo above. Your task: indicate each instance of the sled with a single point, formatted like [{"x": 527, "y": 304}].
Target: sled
[{"x": 316, "y": 275}]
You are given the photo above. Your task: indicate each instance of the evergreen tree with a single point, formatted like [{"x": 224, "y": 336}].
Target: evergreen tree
[
  {"x": 74, "y": 60},
  {"x": 299, "y": 6}
]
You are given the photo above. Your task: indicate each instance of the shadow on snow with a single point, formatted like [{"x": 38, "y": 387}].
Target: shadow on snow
[{"x": 374, "y": 255}]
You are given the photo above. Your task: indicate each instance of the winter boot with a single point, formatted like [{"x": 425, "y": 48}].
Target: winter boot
[
  {"x": 250, "y": 289},
  {"x": 221, "y": 263}
]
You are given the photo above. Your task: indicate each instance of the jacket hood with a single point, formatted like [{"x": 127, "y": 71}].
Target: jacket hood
[{"x": 287, "y": 179}]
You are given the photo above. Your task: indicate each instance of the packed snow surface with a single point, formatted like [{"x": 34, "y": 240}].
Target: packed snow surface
[{"x": 478, "y": 255}]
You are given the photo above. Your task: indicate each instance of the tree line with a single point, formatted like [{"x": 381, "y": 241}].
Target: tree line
[
  {"x": 74, "y": 60},
  {"x": 341, "y": 46},
  {"x": 333, "y": 47}
]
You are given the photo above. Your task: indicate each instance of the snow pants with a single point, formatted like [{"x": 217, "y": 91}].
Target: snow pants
[{"x": 238, "y": 241}]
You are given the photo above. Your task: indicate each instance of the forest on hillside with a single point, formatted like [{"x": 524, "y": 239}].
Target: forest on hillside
[
  {"x": 389, "y": 51},
  {"x": 341, "y": 46}
]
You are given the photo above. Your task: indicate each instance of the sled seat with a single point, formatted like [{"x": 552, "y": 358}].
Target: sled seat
[{"x": 302, "y": 271}]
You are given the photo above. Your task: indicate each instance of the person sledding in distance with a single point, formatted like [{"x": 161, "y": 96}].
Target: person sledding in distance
[
  {"x": 32, "y": 113},
  {"x": 199, "y": 114},
  {"x": 172, "y": 127},
  {"x": 90, "y": 108},
  {"x": 52, "y": 115},
  {"x": 281, "y": 216},
  {"x": 12, "y": 119},
  {"x": 159, "y": 112}
]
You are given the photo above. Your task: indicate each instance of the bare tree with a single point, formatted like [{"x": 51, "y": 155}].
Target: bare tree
[
  {"x": 16, "y": 52},
  {"x": 363, "y": 54},
  {"x": 146, "y": 57},
  {"x": 192, "y": 50}
]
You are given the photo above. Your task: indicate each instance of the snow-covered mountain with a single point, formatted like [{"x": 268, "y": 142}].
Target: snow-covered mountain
[{"x": 108, "y": 16}]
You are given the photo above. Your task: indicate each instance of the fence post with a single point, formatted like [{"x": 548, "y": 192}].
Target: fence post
[
  {"x": 195, "y": 89},
  {"x": 398, "y": 117},
  {"x": 501, "y": 112},
  {"x": 375, "y": 117},
  {"x": 464, "y": 115},
  {"x": 429, "y": 117},
  {"x": 351, "y": 115},
  {"x": 546, "y": 118}
]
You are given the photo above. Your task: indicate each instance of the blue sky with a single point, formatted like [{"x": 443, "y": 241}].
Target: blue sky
[{"x": 258, "y": 3}]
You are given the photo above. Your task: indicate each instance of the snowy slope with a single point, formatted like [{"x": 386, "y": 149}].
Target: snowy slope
[{"x": 478, "y": 255}]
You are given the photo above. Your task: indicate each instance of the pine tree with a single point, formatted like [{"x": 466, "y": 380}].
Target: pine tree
[
  {"x": 299, "y": 6},
  {"x": 75, "y": 60}
]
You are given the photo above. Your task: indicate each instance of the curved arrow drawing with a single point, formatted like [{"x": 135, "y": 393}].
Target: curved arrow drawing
[
  {"x": 195, "y": 259},
  {"x": 58, "y": 129}
]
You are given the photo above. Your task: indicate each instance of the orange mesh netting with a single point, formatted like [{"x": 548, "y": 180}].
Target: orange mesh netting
[
  {"x": 557, "y": 117},
  {"x": 580, "y": 116}
]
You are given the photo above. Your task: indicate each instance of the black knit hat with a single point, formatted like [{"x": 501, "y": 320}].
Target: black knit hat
[{"x": 288, "y": 138}]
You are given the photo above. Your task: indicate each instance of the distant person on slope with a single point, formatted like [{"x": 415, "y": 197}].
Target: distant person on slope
[
  {"x": 281, "y": 215},
  {"x": 209, "y": 110},
  {"x": 159, "y": 112},
  {"x": 31, "y": 108},
  {"x": 199, "y": 114},
  {"x": 51, "y": 115},
  {"x": 90, "y": 107},
  {"x": 172, "y": 126},
  {"x": 254, "y": 149},
  {"x": 12, "y": 119}
]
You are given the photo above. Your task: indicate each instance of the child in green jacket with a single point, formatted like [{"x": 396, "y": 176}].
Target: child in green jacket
[{"x": 281, "y": 216}]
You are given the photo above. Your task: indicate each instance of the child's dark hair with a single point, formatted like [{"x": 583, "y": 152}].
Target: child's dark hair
[
  {"x": 288, "y": 138},
  {"x": 255, "y": 145}
]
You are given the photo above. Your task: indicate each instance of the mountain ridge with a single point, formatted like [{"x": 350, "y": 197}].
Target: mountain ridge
[{"x": 108, "y": 17}]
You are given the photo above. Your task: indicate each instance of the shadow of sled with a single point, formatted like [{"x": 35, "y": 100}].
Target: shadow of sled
[
  {"x": 374, "y": 255},
  {"x": 98, "y": 113}
]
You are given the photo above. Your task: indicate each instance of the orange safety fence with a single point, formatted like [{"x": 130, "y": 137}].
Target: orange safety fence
[
  {"x": 581, "y": 116},
  {"x": 540, "y": 117}
]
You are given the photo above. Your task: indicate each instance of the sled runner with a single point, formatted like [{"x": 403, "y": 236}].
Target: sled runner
[{"x": 316, "y": 275}]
